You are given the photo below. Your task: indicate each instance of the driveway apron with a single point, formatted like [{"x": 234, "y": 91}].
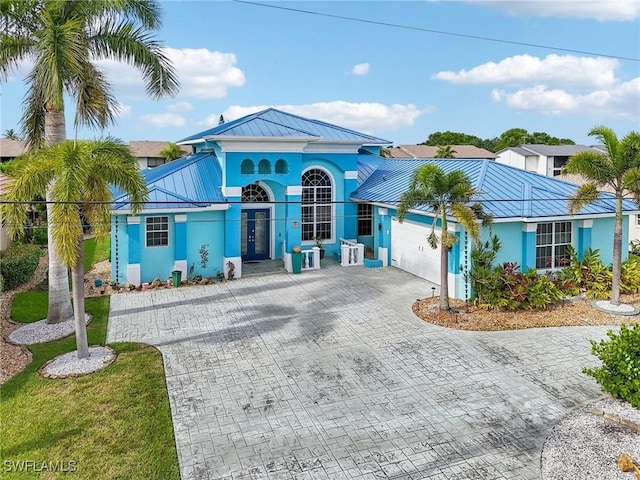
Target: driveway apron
[{"x": 329, "y": 375}]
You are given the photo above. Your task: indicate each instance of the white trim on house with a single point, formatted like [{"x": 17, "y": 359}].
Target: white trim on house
[
  {"x": 259, "y": 144},
  {"x": 214, "y": 207},
  {"x": 232, "y": 191},
  {"x": 133, "y": 220},
  {"x": 351, "y": 175},
  {"x": 292, "y": 190}
]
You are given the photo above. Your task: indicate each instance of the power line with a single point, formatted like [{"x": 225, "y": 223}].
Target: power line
[{"x": 438, "y": 32}]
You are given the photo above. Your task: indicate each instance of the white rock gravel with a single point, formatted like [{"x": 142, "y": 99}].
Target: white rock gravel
[
  {"x": 583, "y": 446},
  {"x": 41, "y": 331},
  {"x": 69, "y": 365},
  {"x": 620, "y": 309}
]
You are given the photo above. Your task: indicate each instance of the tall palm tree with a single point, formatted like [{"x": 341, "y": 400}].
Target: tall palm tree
[
  {"x": 63, "y": 39},
  {"x": 618, "y": 169},
  {"x": 81, "y": 174},
  {"x": 445, "y": 151},
  {"x": 445, "y": 194}
]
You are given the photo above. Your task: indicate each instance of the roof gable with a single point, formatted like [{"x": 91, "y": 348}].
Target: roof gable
[
  {"x": 430, "y": 151},
  {"x": 188, "y": 182},
  {"x": 278, "y": 124}
]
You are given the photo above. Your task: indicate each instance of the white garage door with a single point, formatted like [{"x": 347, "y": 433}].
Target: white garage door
[{"x": 411, "y": 252}]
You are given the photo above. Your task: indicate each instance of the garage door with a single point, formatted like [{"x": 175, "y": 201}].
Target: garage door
[{"x": 411, "y": 252}]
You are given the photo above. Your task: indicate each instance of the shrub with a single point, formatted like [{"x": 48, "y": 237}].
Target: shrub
[
  {"x": 18, "y": 263},
  {"x": 619, "y": 374},
  {"x": 505, "y": 286},
  {"x": 588, "y": 275},
  {"x": 630, "y": 275}
]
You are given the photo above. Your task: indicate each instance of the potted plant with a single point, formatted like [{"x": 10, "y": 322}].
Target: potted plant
[
  {"x": 296, "y": 259},
  {"x": 320, "y": 245}
]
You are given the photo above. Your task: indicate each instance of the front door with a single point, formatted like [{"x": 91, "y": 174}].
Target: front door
[{"x": 255, "y": 234}]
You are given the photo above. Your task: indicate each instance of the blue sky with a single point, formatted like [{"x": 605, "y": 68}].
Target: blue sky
[{"x": 400, "y": 84}]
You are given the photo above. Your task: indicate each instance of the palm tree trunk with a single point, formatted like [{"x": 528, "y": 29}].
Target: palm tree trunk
[
  {"x": 77, "y": 277},
  {"x": 444, "y": 266},
  {"x": 59, "y": 297},
  {"x": 617, "y": 254}
]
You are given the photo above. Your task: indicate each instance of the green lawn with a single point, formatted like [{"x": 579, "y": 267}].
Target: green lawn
[
  {"x": 95, "y": 251},
  {"x": 115, "y": 423}
]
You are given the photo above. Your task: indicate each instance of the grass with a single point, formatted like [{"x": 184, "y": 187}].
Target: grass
[
  {"x": 115, "y": 423},
  {"x": 95, "y": 250}
]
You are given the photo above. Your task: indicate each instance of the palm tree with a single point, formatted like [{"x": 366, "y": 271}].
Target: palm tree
[
  {"x": 172, "y": 152},
  {"x": 63, "y": 39},
  {"x": 445, "y": 194},
  {"x": 618, "y": 169},
  {"x": 445, "y": 151},
  {"x": 11, "y": 135},
  {"x": 81, "y": 174}
]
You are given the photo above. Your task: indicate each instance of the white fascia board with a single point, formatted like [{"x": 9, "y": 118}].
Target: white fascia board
[
  {"x": 210, "y": 208},
  {"x": 557, "y": 218},
  {"x": 189, "y": 142},
  {"x": 261, "y": 144},
  {"x": 333, "y": 147}
]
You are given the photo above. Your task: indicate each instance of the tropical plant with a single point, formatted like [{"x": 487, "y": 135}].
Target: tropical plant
[
  {"x": 619, "y": 374},
  {"x": 588, "y": 275},
  {"x": 172, "y": 152},
  {"x": 63, "y": 40},
  {"x": 445, "y": 195},
  {"x": 81, "y": 174},
  {"x": 445, "y": 151},
  {"x": 11, "y": 135},
  {"x": 618, "y": 169}
]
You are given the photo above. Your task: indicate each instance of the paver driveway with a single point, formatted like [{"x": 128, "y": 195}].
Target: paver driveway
[{"x": 328, "y": 374}]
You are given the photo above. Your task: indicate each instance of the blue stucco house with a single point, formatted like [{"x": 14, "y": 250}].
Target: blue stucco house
[{"x": 255, "y": 187}]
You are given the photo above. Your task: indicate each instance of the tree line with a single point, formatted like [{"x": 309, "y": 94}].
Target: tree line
[{"x": 510, "y": 138}]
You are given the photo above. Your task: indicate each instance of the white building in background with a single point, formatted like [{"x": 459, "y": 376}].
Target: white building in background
[{"x": 549, "y": 160}]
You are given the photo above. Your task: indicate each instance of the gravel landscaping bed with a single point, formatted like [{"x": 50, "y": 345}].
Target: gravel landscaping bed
[
  {"x": 69, "y": 365},
  {"x": 41, "y": 332},
  {"x": 584, "y": 446}
]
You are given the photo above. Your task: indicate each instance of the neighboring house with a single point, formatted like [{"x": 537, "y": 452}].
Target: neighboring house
[
  {"x": 5, "y": 240},
  {"x": 549, "y": 160},
  {"x": 10, "y": 149},
  {"x": 148, "y": 152},
  {"x": 428, "y": 151},
  {"x": 543, "y": 159},
  {"x": 264, "y": 183}
]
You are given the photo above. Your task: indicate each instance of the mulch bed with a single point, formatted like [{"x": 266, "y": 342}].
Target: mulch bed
[{"x": 468, "y": 317}]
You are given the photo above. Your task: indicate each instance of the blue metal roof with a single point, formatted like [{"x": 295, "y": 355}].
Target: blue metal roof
[
  {"x": 507, "y": 192},
  {"x": 188, "y": 182},
  {"x": 275, "y": 123}
]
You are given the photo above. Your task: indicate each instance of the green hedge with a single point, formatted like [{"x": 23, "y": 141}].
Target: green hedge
[{"x": 17, "y": 264}]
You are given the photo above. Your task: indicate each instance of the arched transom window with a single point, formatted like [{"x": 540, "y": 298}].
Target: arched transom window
[
  {"x": 254, "y": 193},
  {"x": 317, "y": 194}
]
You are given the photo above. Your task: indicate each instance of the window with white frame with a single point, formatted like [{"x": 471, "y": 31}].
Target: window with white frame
[
  {"x": 558, "y": 165},
  {"x": 155, "y": 162},
  {"x": 638, "y": 220},
  {"x": 317, "y": 207},
  {"x": 157, "y": 231},
  {"x": 365, "y": 219},
  {"x": 552, "y": 240}
]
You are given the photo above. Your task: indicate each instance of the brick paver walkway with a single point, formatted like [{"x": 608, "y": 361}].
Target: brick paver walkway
[{"x": 329, "y": 375}]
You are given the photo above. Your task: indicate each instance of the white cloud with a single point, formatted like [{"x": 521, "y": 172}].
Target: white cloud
[
  {"x": 602, "y": 10},
  {"x": 180, "y": 107},
  {"x": 161, "y": 120},
  {"x": 203, "y": 74},
  {"x": 619, "y": 102},
  {"x": 122, "y": 110},
  {"x": 560, "y": 70},
  {"x": 363, "y": 117},
  {"x": 361, "y": 69}
]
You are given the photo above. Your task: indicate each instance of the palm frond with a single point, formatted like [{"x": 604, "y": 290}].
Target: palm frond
[
  {"x": 135, "y": 46},
  {"x": 32, "y": 121},
  {"x": 608, "y": 138},
  {"x": 584, "y": 195},
  {"x": 594, "y": 166},
  {"x": 95, "y": 106},
  {"x": 465, "y": 216}
]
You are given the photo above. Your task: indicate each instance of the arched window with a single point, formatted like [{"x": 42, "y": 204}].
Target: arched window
[
  {"x": 254, "y": 193},
  {"x": 281, "y": 166},
  {"x": 317, "y": 194},
  {"x": 247, "y": 167},
  {"x": 264, "y": 167}
]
